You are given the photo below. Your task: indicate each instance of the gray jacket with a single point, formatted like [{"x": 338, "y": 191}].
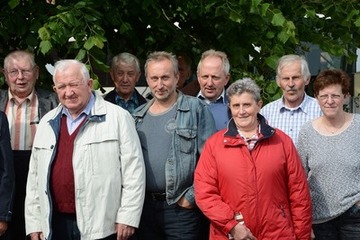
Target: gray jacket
[{"x": 194, "y": 124}]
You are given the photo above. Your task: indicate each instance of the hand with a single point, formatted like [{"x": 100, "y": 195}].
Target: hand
[
  {"x": 241, "y": 232},
  {"x": 312, "y": 234},
  {"x": 37, "y": 236},
  {"x": 124, "y": 232},
  {"x": 184, "y": 203},
  {"x": 3, "y": 227}
]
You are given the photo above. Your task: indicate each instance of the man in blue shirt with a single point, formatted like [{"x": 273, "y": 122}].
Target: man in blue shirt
[
  {"x": 213, "y": 73},
  {"x": 295, "y": 107}
]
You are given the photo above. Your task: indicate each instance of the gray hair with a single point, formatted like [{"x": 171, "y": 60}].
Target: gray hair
[
  {"x": 244, "y": 85},
  {"x": 19, "y": 54},
  {"x": 62, "y": 65},
  {"x": 126, "y": 58},
  {"x": 160, "y": 56},
  {"x": 219, "y": 54},
  {"x": 290, "y": 59}
]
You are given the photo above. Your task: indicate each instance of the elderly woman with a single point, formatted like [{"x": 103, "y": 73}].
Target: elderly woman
[
  {"x": 330, "y": 150},
  {"x": 253, "y": 172}
]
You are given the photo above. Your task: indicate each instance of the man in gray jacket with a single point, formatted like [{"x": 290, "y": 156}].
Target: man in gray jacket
[{"x": 173, "y": 128}]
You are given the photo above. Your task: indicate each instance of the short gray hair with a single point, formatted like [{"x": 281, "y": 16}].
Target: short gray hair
[
  {"x": 62, "y": 65},
  {"x": 219, "y": 54},
  {"x": 126, "y": 58},
  {"x": 18, "y": 54},
  {"x": 290, "y": 59},
  {"x": 244, "y": 85},
  {"x": 162, "y": 55}
]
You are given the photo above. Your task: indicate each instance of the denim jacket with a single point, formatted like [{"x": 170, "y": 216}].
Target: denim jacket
[{"x": 194, "y": 125}]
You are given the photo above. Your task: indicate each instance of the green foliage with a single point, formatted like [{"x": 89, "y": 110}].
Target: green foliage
[{"x": 260, "y": 30}]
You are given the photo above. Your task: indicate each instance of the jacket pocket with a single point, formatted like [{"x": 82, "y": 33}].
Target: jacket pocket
[
  {"x": 186, "y": 140},
  {"x": 103, "y": 155}
]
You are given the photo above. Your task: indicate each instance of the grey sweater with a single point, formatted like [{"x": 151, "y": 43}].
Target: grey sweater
[{"x": 332, "y": 164}]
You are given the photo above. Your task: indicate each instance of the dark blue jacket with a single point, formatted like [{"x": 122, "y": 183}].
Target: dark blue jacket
[{"x": 7, "y": 175}]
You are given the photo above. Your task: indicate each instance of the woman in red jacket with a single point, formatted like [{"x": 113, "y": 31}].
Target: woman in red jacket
[{"x": 253, "y": 171}]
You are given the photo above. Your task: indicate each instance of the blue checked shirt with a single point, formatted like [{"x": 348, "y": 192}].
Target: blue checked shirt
[
  {"x": 290, "y": 120},
  {"x": 129, "y": 105}
]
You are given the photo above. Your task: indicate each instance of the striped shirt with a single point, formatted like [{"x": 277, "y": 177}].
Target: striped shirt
[
  {"x": 23, "y": 119},
  {"x": 290, "y": 120}
]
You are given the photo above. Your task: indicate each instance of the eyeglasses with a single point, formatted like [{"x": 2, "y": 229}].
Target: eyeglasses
[
  {"x": 25, "y": 72},
  {"x": 71, "y": 85},
  {"x": 326, "y": 97}
]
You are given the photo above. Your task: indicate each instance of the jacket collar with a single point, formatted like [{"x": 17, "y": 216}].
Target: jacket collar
[
  {"x": 265, "y": 129},
  {"x": 182, "y": 105}
]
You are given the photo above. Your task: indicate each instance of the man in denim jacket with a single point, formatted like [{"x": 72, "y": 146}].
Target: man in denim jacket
[{"x": 173, "y": 128}]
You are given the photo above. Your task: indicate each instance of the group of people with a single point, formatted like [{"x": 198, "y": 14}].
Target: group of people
[{"x": 121, "y": 167}]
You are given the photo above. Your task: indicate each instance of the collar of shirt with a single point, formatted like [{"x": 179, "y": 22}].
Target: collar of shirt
[
  {"x": 302, "y": 107},
  {"x": 250, "y": 142},
  {"x": 30, "y": 97},
  {"x": 119, "y": 100},
  {"x": 85, "y": 112},
  {"x": 220, "y": 99}
]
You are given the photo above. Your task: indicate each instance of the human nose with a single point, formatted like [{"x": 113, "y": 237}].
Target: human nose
[
  {"x": 209, "y": 81},
  {"x": 20, "y": 74},
  {"x": 291, "y": 83}
]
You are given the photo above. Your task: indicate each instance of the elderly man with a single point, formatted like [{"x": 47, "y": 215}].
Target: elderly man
[
  {"x": 295, "y": 107},
  {"x": 24, "y": 105},
  {"x": 87, "y": 176},
  {"x": 173, "y": 128},
  {"x": 125, "y": 73},
  {"x": 213, "y": 74}
]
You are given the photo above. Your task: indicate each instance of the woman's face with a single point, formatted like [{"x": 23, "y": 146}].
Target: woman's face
[
  {"x": 331, "y": 100},
  {"x": 244, "y": 110}
]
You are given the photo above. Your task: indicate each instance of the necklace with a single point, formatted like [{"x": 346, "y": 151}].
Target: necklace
[{"x": 334, "y": 129}]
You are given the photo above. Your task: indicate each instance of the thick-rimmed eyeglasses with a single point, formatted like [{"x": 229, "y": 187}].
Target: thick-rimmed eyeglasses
[{"x": 24, "y": 72}]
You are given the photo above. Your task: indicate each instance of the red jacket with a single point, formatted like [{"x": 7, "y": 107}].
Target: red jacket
[{"x": 267, "y": 185}]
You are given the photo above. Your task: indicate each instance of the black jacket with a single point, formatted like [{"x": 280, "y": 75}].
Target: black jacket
[{"x": 7, "y": 175}]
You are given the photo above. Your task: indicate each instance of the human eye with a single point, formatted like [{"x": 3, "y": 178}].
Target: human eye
[
  {"x": 13, "y": 72},
  {"x": 131, "y": 74},
  {"x": 165, "y": 78},
  {"x": 120, "y": 74},
  {"x": 27, "y": 71},
  {"x": 204, "y": 77},
  {"x": 154, "y": 79},
  {"x": 74, "y": 84},
  {"x": 336, "y": 96},
  {"x": 323, "y": 97},
  {"x": 60, "y": 87}
]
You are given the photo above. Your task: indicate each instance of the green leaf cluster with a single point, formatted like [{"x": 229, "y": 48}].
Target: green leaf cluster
[{"x": 254, "y": 33}]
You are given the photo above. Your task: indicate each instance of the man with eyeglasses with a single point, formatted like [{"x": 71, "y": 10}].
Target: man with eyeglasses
[
  {"x": 295, "y": 107},
  {"x": 24, "y": 105}
]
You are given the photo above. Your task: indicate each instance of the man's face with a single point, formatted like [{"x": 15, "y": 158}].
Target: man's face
[
  {"x": 292, "y": 84},
  {"x": 212, "y": 78},
  {"x": 161, "y": 79},
  {"x": 73, "y": 92},
  {"x": 184, "y": 72},
  {"x": 21, "y": 76},
  {"x": 125, "y": 76}
]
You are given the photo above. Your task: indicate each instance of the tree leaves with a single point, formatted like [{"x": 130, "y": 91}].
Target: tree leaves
[{"x": 92, "y": 31}]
